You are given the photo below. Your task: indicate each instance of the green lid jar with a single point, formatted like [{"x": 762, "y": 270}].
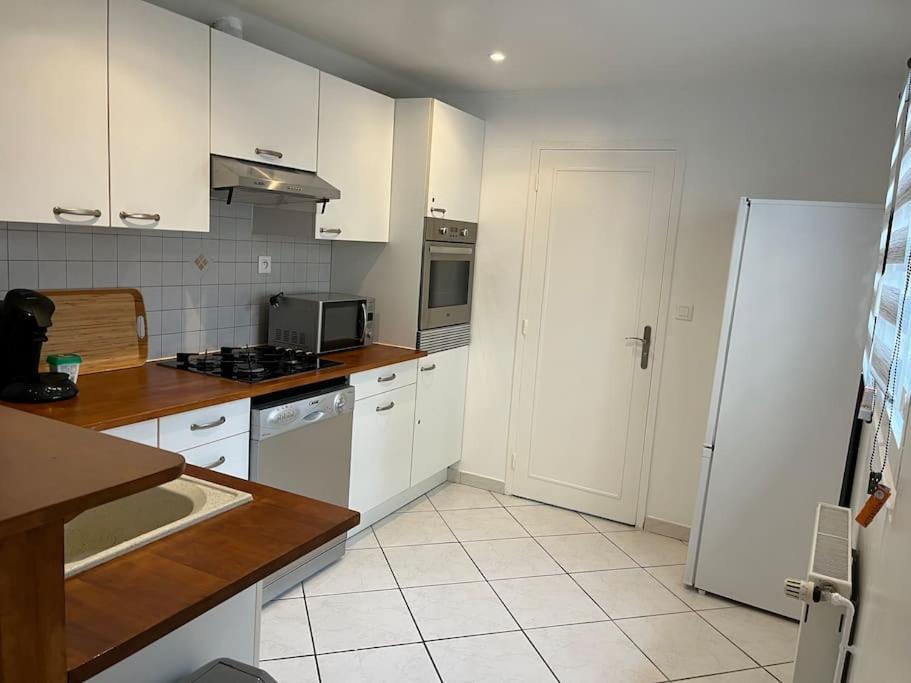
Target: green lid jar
[{"x": 67, "y": 363}]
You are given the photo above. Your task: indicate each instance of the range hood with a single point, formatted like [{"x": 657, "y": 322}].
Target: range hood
[{"x": 252, "y": 182}]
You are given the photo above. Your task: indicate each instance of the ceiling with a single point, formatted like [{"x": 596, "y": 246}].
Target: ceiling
[{"x": 591, "y": 43}]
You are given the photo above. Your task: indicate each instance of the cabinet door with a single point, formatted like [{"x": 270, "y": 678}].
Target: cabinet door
[
  {"x": 264, "y": 106},
  {"x": 229, "y": 456},
  {"x": 54, "y": 117},
  {"x": 456, "y": 152},
  {"x": 355, "y": 155},
  {"x": 440, "y": 412},
  {"x": 139, "y": 432},
  {"x": 381, "y": 447},
  {"x": 159, "y": 104}
]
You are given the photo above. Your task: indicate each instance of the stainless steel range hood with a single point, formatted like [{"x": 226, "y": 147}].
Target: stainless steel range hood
[{"x": 252, "y": 182}]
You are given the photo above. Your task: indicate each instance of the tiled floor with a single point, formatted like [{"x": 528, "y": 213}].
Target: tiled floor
[{"x": 465, "y": 585}]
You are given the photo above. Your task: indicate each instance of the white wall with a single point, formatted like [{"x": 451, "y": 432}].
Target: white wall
[{"x": 795, "y": 140}]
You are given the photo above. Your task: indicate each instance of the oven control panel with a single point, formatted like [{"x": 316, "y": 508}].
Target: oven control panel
[{"x": 442, "y": 230}]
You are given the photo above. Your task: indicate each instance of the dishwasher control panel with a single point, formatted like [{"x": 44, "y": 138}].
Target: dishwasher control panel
[{"x": 271, "y": 419}]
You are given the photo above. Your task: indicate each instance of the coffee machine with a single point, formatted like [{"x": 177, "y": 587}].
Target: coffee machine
[{"x": 25, "y": 316}]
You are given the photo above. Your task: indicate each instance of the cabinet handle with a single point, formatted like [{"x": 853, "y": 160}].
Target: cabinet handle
[
  {"x": 330, "y": 231},
  {"x": 428, "y": 368},
  {"x": 439, "y": 210},
  {"x": 208, "y": 425},
  {"x": 269, "y": 152},
  {"x": 59, "y": 210},
  {"x": 383, "y": 409},
  {"x": 135, "y": 215},
  {"x": 387, "y": 378},
  {"x": 220, "y": 461}
]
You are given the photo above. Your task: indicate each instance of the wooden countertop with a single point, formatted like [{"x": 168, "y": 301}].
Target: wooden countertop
[
  {"x": 120, "y": 397},
  {"x": 115, "y": 609}
]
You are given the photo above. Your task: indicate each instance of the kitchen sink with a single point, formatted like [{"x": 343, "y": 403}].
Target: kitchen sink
[{"x": 107, "y": 531}]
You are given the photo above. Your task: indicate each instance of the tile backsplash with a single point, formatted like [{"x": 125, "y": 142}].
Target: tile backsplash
[{"x": 201, "y": 290}]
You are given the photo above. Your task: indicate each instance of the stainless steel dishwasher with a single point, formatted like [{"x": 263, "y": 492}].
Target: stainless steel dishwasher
[{"x": 300, "y": 441}]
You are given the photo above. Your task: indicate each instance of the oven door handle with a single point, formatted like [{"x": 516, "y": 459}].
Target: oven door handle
[{"x": 456, "y": 251}]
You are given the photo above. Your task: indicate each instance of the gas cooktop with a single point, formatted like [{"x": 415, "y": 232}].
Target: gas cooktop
[{"x": 249, "y": 363}]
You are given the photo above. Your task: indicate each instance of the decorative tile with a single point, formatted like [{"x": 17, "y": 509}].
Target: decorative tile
[
  {"x": 450, "y": 496},
  {"x": 358, "y": 620},
  {"x": 547, "y": 601},
  {"x": 624, "y": 593},
  {"x": 397, "y": 664},
  {"x": 356, "y": 570},
  {"x": 544, "y": 520},
  {"x": 294, "y": 670},
  {"x": 284, "y": 631},
  {"x": 462, "y": 609},
  {"x": 672, "y": 577},
  {"x": 511, "y": 558},
  {"x": 412, "y": 528},
  {"x": 427, "y": 565},
  {"x": 648, "y": 549},
  {"x": 497, "y": 658},
  {"x": 585, "y": 552},
  {"x": 767, "y": 638},
  {"x": 482, "y": 524}
]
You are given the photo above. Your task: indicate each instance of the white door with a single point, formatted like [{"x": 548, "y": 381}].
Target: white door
[
  {"x": 456, "y": 153},
  {"x": 355, "y": 155},
  {"x": 54, "y": 116},
  {"x": 593, "y": 281},
  {"x": 264, "y": 105},
  {"x": 159, "y": 104}
]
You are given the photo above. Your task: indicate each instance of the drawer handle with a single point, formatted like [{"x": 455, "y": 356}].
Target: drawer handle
[
  {"x": 139, "y": 216},
  {"x": 220, "y": 461},
  {"x": 383, "y": 409},
  {"x": 438, "y": 209},
  {"x": 269, "y": 152},
  {"x": 58, "y": 210},
  {"x": 428, "y": 368},
  {"x": 387, "y": 378},
  {"x": 208, "y": 425},
  {"x": 330, "y": 231}
]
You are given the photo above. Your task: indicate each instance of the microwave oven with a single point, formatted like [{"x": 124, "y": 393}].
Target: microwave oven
[{"x": 321, "y": 322}]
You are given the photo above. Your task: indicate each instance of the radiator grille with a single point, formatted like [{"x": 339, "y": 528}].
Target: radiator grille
[
  {"x": 443, "y": 338},
  {"x": 832, "y": 554}
]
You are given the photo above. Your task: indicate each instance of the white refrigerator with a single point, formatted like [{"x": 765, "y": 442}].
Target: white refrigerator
[{"x": 783, "y": 400}]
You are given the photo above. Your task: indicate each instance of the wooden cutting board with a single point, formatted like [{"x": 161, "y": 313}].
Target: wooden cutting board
[{"x": 106, "y": 327}]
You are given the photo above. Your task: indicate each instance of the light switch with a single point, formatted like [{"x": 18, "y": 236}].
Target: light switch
[
  {"x": 264, "y": 264},
  {"x": 684, "y": 312}
]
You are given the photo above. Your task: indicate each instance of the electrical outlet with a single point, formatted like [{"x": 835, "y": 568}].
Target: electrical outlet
[
  {"x": 264, "y": 264},
  {"x": 684, "y": 312}
]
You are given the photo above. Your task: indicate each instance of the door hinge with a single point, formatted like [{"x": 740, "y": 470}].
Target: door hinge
[
  {"x": 512, "y": 464},
  {"x": 525, "y": 327}
]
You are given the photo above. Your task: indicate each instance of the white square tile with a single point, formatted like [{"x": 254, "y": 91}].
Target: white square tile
[
  {"x": 284, "y": 631},
  {"x": 23, "y": 274},
  {"x": 362, "y": 540},
  {"x": 544, "y": 520},
  {"x": 624, "y": 593},
  {"x": 450, "y": 496},
  {"x": 79, "y": 274},
  {"x": 357, "y": 570},
  {"x": 782, "y": 672},
  {"x": 511, "y": 558},
  {"x": 482, "y": 524},
  {"x": 593, "y": 653},
  {"x": 683, "y": 645},
  {"x": 51, "y": 274},
  {"x": 127, "y": 273},
  {"x": 412, "y": 528},
  {"x": 128, "y": 247},
  {"x": 672, "y": 577},
  {"x": 358, "y": 620},
  {"x": 294, "y": 670},
  {"x": 78, "y": 246},
  {"x": 51, "y": 245},
  {"x": 547, "y": 601},
  {"x": 104, "y": 274},
  {"x": 427, "y": 565},
  {"x": 462, "y": 609},
  {"x": 397, "y": 664},
  {"x": 514, "y": 501},
  {"x": 104, "y": 247},
  {"x": 23, "y": 245},
  {"x": 497, "y": 658},
  {"x": 419, "y": 504},
  {"x": 748, "y": 676},
  {"x": 767, "y": 638},
  {"x": 649, "y": 549},
  {"x": 602, "y": 524},
  {"x": 585, "y": 552}
]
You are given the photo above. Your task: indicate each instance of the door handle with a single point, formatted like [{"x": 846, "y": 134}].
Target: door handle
[
  {"x": 135, "y": 215},
  {"x": 269, "y": 152},
  {"x": 646, "y": 341}
]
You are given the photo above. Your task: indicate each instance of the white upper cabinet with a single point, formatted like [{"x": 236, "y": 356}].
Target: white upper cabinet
[
  {"x": 355, "y": 155},
  {"x": 264, "y": 106},
  {"x": 456, "y": 153},
  {"x": 54, "y": 116},
  {"x": 159, "y": 118}
]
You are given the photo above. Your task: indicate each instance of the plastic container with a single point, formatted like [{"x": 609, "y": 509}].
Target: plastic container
[{"x": 67, "y": 363}]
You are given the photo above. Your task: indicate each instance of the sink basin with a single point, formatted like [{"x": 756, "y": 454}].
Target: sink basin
[{"x": 115, "y": 528}]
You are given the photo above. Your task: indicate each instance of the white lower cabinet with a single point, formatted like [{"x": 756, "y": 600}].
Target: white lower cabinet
[
  {"x": 228, "y": 456},
  {"x": 381, "y": 447},
  {"x": 145, "y": 433},
  {"x": 440, "y": 412}
]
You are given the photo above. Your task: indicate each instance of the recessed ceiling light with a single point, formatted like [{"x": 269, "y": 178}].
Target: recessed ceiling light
[{"x": 497, "y": 56}]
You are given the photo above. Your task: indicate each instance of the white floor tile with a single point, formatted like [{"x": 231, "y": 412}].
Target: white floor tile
[
  {"x": 357, "y": 570},
  {"x": 648, "y": 549},
  {"x": 483, "y": 524},
  {"x": 672, "y": 577},
  {"x": 397, "y": 664},
  {"x": 767, "y": 638},
  {"x": 544, "y": 520},
  {"x": 284, "y": 631},
  {"x": 419, "y": 504},
  {"x": 593, "y": 653},
  {"x": 358, "y": 620},
  {"x": 547, "y": 601},
  {"x": 450, "y": 496},
  {"x": 296, "y": 591},
  {"x": 683, "y": 645},
  {"x": 748, "y": 676},
  {"x": 514, "y": 501},
  {"x": 363, "y": 540},
  {"x": 602, "y": 524},
  {"x": 782, "y": 672},
  {"x": 585, "y": 552},
  {"x": 463, "y": 609},
  {"x": 295, "y": 670},
  {"x": 624, "y": 593},
  {"x": 427, "y": 565},
  {"x": 412, "y": 528},
  {"x": 511, "y": 558},
  {"x": 498, "y": 658}
]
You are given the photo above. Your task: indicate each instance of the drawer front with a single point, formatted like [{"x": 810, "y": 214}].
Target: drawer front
[
  {"x": 386, "y": 378},
  {"x": 198, "y": 427},
  {"x": 229, "y": 456},
  {"x": 140, "y": 432}
]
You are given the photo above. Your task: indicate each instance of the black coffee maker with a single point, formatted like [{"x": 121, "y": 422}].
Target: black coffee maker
[{"x": 25, "y": 316}]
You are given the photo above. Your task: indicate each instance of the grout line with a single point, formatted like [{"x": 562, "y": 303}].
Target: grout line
[{"x": 319, "y": 678}]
